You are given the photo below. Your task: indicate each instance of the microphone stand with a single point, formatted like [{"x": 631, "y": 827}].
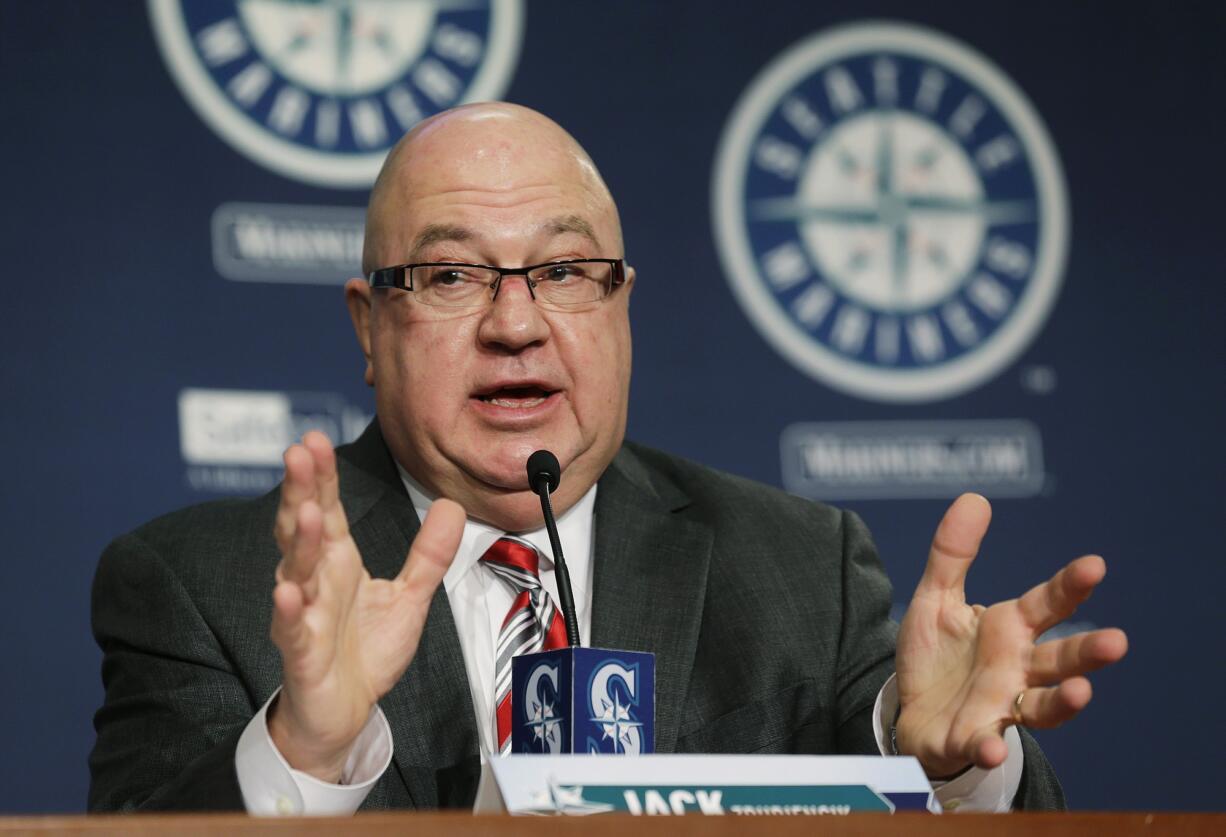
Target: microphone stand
[{"x": 544, "y": 475}]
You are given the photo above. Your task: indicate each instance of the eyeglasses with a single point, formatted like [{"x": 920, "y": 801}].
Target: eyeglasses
[{"x": 562, "y": 285}]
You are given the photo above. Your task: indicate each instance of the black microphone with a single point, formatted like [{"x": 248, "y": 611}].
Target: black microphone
[
  {"x": 544, "y": 474},
  {"x": 561, "y": 698}
]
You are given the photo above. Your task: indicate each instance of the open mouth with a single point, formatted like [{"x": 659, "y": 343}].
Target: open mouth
[{"x": 516, "y": 397}]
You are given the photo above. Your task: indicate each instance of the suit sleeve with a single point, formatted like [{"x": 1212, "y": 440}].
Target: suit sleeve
[
  {"x": 866, "y": 660},
  {"x": 866, "y": 640},
  {"x": 174, "y": 708},
  {"x": 1040, "y": 789}
]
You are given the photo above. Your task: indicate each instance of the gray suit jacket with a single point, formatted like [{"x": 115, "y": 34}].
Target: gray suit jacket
[{"x": 767, "y": 615}]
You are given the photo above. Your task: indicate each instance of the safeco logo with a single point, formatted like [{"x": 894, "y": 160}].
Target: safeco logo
[{"x": 232, "y": 441}]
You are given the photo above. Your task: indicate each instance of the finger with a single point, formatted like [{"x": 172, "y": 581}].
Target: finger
[
  {"x": 987, "y": 749},
  {"x": 1052, "y": 706},
  {"x": 327, "y": 484},
  {"x": 433, "y": 549},
  {"x": 306, "y": 549},
  {"x": 1060, "y": 659},
  {"x": 956, "y": 544},
  {"x": 1056, "y": 599},
  {"x": 289, "y": 630},
  {"x": 297, "y": 487}
]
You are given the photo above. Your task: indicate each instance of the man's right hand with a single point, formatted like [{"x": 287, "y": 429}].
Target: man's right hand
[{"x": 345, "y": 638}]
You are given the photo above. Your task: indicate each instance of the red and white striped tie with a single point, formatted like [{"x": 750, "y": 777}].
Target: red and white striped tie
[{"x": 532, "y": 624}]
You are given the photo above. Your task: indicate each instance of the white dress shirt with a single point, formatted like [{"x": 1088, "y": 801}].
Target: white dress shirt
[
  {"x": 479, "y": 603},
  {"x": 480, "y": 600}
]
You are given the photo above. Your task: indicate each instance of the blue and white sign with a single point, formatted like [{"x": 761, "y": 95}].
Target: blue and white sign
[
  {"x": 890, "y": 460},
  {"x": 583, "y": 700},
  {"x": 542, "y": 703},
  {"x": 890, "y": 212},
  {"x": 613, "y": 708},
  {"x": 319, "y": 92},
  {"x": 711, "y": 785},
  {"x": 266, "y": 242},
  {"x": 232, "y": 441}
]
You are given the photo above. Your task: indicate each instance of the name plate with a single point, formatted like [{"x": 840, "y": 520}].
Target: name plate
[{"x": 719, "y": 785}]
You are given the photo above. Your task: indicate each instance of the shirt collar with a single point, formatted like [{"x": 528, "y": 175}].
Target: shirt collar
[{"x": 574, "y": 531}]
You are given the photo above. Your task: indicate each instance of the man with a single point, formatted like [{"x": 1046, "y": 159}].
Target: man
[{"x": 768, "y": 614}]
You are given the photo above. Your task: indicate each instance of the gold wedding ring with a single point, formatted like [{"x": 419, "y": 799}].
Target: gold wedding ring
[{"x": 1017, "y": 707}]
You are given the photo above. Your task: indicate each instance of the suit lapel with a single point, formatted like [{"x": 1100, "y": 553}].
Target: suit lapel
[
  {"x": 430, "y": 709},
  {"x": 650, "y": 580}
]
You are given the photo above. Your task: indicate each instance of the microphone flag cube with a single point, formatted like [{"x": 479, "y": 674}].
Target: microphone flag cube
[{"x": 583, "y": 700}]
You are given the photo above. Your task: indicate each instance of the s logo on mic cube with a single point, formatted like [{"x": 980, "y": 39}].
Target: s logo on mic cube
[{"x": 583, "y": 700}]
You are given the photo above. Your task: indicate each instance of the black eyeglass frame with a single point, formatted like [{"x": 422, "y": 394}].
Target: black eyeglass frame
[{"x": 401, "y": 275}]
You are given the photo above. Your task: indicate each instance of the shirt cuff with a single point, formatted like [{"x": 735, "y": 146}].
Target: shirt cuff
[
  {"x": 982, "y": 791},
  {"x": 271, "y": 787}
]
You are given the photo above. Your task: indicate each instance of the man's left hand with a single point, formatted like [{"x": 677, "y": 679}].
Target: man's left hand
[{"x": 961, "y": 668}]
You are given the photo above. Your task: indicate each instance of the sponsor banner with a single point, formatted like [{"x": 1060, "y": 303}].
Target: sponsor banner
[
  {"x": 232, "y": 441},
  {"x": 262, "y": 242},
  {"x": 894, "y": 460}
]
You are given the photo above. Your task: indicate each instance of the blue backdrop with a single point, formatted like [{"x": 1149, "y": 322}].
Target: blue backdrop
[{"x": 806, "y": 313}]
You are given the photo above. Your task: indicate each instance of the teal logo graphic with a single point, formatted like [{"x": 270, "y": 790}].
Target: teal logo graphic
[
  {"x": 320, "y": 91},
  {"x": 890, "y": 212}
]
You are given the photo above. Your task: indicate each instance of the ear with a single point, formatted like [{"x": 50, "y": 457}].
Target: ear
[
  {"x": 630, "y": 274},
  {"x": 358, "y": 298}
]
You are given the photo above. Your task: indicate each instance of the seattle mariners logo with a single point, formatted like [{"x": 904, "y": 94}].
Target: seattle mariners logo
[
  {"x": 320, "y": 91},
  {"x": 890, "y": 212},
  {"x": 613, "y": 712},
  {"x": 540, "y": 700}
]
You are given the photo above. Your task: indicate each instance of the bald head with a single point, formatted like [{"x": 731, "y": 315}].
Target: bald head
[
  {"x": 465, "y": 394},
  {"x": 491, "y": 154}
]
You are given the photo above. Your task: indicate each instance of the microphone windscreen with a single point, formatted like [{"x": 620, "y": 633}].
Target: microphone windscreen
[{"x": 544, "y": 464}]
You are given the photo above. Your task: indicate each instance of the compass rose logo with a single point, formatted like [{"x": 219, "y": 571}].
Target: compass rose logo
[
  {"x": 564, "y": 799},
  {"x": 890, "y": 212},
  {"x": 540, "y": 702},
  {"x": 319, "y": 91},
  {"x": 620, "y": 730}
]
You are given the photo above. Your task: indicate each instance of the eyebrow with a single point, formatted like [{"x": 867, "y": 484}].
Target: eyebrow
[
  {"x": 571, "y": 224},
  {"x": 436, "y": 233},
  {"x": 562, "y": 225}
]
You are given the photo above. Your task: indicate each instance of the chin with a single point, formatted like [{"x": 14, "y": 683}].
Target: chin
[
  {"x": 517, "y": 511},
  {"x": 504, "y": 465},
  {"x": 504, "y": 498}
]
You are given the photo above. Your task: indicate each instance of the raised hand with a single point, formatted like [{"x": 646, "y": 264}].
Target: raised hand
[
  {"x": 966, "y": 673},
  {"x": 345, "y": 638}
]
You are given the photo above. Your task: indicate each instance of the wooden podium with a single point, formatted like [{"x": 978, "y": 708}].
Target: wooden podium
[{"x": 467, "y": 825}]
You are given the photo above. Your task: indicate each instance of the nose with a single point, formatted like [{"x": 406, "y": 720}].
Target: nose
[{"x": 513, "y": 321}]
